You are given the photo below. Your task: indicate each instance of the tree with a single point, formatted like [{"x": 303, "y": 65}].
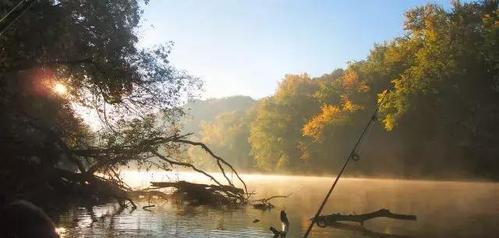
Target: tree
[
  {"x": 90, "y": 49},
  {"x": 448, "y": 93},
  {"x": 438, "y": 111},
  {"x": 275, "y": 133}
]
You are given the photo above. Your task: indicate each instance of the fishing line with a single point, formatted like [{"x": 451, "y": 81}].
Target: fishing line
[{"x": 352, "y": 156}]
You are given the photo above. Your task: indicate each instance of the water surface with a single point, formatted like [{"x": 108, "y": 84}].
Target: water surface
[{"x": 443, "y": 209}]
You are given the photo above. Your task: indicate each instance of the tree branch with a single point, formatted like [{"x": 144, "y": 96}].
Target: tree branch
[
  {"x": 324, "y": 221},
  {"x": 219, "y": 159}
]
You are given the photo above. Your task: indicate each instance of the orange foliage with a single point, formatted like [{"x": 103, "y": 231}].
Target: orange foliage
[{"x": 330, "y": 114}]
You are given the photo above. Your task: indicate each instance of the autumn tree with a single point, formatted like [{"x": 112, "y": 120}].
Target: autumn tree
[
  {"x": 448, "y": 94},
  {"x": 436, "y": 119}
]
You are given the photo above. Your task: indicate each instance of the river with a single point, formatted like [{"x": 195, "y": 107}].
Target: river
[{"x": 443, "y": 209}]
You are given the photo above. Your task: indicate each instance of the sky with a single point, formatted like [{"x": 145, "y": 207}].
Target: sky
[{"x": 243, "y": 47}]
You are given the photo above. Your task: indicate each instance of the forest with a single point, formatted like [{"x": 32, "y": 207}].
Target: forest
[{"x": 438, "y": 87}]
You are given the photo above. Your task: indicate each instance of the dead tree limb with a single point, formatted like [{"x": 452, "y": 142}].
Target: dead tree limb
[
  {"x": 219, "y": 159},
  {"x": 203, "y": 194},
  {"x": 264, "y": 204},
  {"x": 107, "y": 159},
  {"x": 147, "y": 208},
  {"x": 323, "y": 221},
  {"x": 264, "y": 200},
  {"x": 188, "y": 165},
  {"x": 123, "y": 153}
]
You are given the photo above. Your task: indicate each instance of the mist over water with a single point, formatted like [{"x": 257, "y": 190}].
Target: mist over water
[{"x": 443, "y": 209}]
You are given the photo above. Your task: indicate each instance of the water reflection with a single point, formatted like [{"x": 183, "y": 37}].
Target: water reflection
[{"x": 444, "y": 209}]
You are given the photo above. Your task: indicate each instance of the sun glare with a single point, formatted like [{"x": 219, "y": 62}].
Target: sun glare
[{"x": 60, "y": 88}]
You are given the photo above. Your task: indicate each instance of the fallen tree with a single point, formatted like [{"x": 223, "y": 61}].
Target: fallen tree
[
  {"x": 96, "y": 177},
  {"x": 148, "y": 153},
  {"x": 50, "y": 154},
  {"x": 205, "y": 194}
]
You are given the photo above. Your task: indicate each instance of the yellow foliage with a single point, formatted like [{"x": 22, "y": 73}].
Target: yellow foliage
[
  {"x": 349, "y": 106},
  {"x": 315, "y": 127},
  {"x": 350, "y": 81},
  {"x": 329, "y": 114},
  {"x": 389, "y": 122}
]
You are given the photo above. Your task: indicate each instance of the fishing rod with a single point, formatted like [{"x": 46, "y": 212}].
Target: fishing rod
[
  {"x": 14, "y": 13},
  {"x": 352, "y": 156}
]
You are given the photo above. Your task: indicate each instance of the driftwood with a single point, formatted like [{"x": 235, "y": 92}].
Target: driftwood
[
  {"x": 147, "y": 208},
  {"x": 264, "y": 203},
  {"x": 203, "y": 194},
  {"x": 329, "y": 220}
]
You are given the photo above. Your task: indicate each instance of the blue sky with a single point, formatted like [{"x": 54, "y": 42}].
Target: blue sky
[{"x": 246, "y": 47}]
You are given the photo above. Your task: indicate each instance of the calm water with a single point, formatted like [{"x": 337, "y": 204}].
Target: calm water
[{"x": 443, "y": 209}]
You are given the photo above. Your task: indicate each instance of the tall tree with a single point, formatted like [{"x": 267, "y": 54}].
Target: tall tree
[
  {"x": 61, "y": 56},
  {"x": 276, "y": 131}
]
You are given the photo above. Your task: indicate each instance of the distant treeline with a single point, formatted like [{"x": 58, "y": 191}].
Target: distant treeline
[{"x": 439, "y": 117}]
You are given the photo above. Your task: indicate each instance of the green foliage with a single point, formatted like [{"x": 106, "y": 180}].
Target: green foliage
[
  {"x": 90, "y": 47},
  {"x": 448, "y": 93},
  {"x": 277, "y": 129}
]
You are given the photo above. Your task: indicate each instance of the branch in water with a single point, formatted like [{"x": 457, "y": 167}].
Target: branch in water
[
  {"x": 264, "y": 204},
  {"x": 323, "y": 221},
  {"x": 188, "y": 165},
  {"x": 205, "y": 194},
  {"x": 219, "y": 159},
  {"x": 264, "y": 200}
]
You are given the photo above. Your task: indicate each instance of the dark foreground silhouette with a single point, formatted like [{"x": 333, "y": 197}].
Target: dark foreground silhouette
[{"x": 22, "y": 219}]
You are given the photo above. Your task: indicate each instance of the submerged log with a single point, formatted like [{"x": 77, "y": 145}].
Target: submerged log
[
  {"x": 203, "y": 194},
  {"x": 329, "y": 220}
]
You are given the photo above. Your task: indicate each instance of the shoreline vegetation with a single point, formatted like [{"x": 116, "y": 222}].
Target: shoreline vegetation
[{"x": 438, "y": 118}]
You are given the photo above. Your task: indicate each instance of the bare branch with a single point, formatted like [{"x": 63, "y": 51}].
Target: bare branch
[{"x": 219, "y": 159}]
